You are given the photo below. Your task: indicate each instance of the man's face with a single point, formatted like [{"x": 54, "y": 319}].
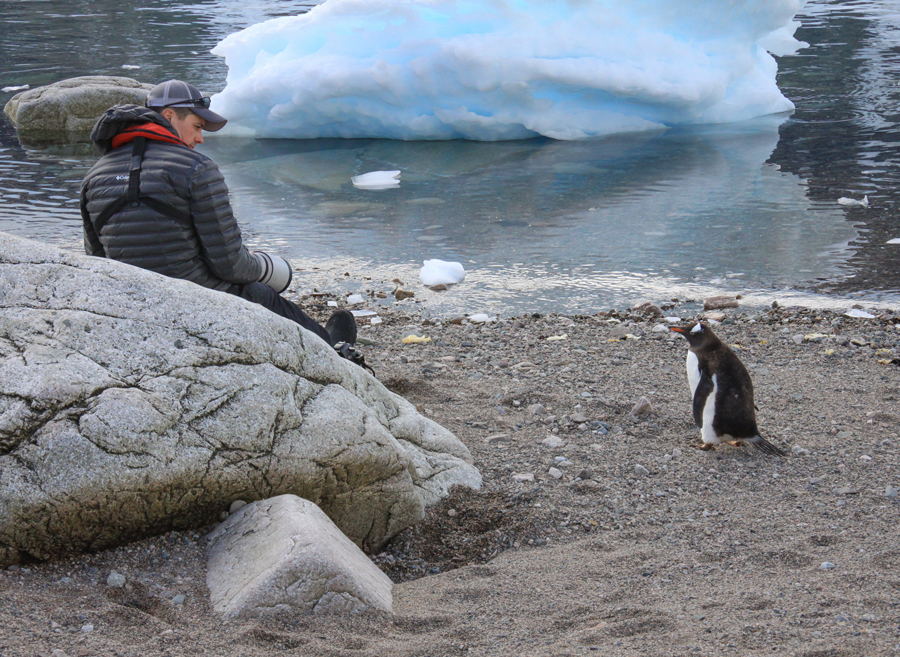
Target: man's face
[{"x": 189, "y": 129}]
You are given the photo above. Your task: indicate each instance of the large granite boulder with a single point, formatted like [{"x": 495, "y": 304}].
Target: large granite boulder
[
  {"x": 66, "y": 111},
  {"x": 133, "y": 404}
]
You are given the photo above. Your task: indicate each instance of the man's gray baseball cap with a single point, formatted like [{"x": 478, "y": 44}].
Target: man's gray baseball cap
[{"x": 175, "y": 93}]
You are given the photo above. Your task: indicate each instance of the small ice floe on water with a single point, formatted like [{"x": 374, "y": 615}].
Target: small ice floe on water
[
  {"x": 441, "y": 272},
  {"x": 481, "y": 318},
  {"x": 856, "y": 312},
  {"x": 377, "y": 180},
  {"x": 22, "y": 87},
  {"x": 896, "y": 240},
  {"x": 853, "y": 202},
  {"x": 354, "y": 299},
  {"x": 130, "y": 67}
]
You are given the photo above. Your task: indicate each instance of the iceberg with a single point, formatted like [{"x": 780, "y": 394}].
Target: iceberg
[{"x": 505, "y": 69}]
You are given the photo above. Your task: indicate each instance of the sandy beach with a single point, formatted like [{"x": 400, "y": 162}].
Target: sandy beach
[{"x": 596, "y": 532}]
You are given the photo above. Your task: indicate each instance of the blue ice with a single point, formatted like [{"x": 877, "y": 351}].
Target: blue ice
[{"x": 505, "y": 69}]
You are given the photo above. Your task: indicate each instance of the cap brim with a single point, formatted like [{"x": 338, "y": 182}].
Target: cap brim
[{"x": 213, "y": 121}]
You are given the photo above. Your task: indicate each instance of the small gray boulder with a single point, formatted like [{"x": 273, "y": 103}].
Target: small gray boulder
[
  {"x": 284, "y": 555},
  {"x": 66, "y": 111}
]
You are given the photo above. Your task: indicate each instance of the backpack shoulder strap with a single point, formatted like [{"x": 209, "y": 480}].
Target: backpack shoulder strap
[{"x": 133, "y": 193}]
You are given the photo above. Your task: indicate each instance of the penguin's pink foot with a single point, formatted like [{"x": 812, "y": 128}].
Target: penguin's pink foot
[
  {"x": 708, "y": 447},
  {"x": 736, "y": 443}
]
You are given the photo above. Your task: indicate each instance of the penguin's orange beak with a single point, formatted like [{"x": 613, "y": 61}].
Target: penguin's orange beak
[{"x": 678, "y": 329}]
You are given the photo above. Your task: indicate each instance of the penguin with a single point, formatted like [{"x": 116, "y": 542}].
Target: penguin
[{"x": 722, "y": 392}]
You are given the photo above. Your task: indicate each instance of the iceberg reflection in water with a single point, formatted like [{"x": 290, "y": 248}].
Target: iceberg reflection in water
[{"x": 541, "y": 224}]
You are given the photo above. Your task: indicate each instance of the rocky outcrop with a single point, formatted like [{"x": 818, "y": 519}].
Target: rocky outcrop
[
  {"x": 66, "y": 111},
  {"x": 133, "y": 404},
  {"x": 284, "y": 555}
]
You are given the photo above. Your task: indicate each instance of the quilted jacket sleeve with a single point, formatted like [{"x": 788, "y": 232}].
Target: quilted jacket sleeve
[{"x": 217, "y": 230}]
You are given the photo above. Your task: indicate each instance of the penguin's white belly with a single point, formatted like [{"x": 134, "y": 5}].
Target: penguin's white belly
[
  {"x": 707, "y": 433},
  {"x": 693, "y": 371}
]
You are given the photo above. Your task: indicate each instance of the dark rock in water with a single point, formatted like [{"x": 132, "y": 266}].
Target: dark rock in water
[{"x": 65, "y": 112}]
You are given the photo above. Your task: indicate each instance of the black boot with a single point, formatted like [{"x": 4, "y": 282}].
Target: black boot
[{"x": 341, "y": 326}]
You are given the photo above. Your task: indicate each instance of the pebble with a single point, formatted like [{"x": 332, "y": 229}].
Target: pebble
[
  {"x": 555, "y": 473},
  {"x": 237, "y": 505},
  {"x": 797, "y": 339},
  {"x": 523, "y": 476},
  {"x": 846, "y": 490},
  {"x": 178, "y": 599},
  {"x": 87, "y": 629},
  {"x": 643, "y": 407},
  {"x": 676, "y": 453},
  {"x": 890, "y": 491},
  {"x": 720, "y": 303},
  {"x": 115, "y": 580},
  {"x": 536, "y": 409},
  {"x": 801, "y": 451},
  {"x": 589, "y": 474},
  {"x": 497, "y": 438},
  {"x": 826, "y": 565},
  {"x": 553, "y": 442},
  {"x": 641, "y": 470}
]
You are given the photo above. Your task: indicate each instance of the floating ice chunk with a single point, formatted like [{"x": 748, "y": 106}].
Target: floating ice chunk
[
  {"x": 441, "y": 272},
  {"x": 853, "y": 202},
  {"x": 22, "y": 87},
  {"x": 856, "y": 312},
  {"x": 130, "y": 67},
  {"x": 354, "y": 299},
  {"x": 377, "y": 180},
  {"x": 480, "y": 318},
  {"x": 896, "y": 240}
]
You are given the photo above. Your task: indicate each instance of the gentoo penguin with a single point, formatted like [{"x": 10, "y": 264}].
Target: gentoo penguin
[{"x": 722, "y": 392}]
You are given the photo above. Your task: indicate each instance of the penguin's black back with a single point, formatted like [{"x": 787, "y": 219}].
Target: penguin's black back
[{"x": 735, "y": 410}]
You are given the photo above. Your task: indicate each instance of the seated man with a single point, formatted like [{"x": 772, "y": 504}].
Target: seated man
[{"x": 154, "y": 202}]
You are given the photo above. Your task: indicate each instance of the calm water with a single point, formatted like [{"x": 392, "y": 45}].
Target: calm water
[{"x": 539, "y": 225}]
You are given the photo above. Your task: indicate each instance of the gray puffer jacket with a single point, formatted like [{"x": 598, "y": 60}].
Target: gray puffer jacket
[{"x": 206, "y": 248}]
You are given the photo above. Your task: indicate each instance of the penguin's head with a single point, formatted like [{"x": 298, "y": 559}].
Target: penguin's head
[{"x": 698, "y": 335}]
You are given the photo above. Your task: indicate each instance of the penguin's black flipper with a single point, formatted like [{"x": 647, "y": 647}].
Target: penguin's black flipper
[
  {"x": 705, "y": 388},
  {"x": 764, "y": 446}
]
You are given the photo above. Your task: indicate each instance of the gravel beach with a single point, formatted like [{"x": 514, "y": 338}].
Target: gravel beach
[{"x": 598, "y": 530}]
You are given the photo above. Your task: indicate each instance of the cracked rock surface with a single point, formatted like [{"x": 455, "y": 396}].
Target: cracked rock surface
[{"x": 132, "y": 404}]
